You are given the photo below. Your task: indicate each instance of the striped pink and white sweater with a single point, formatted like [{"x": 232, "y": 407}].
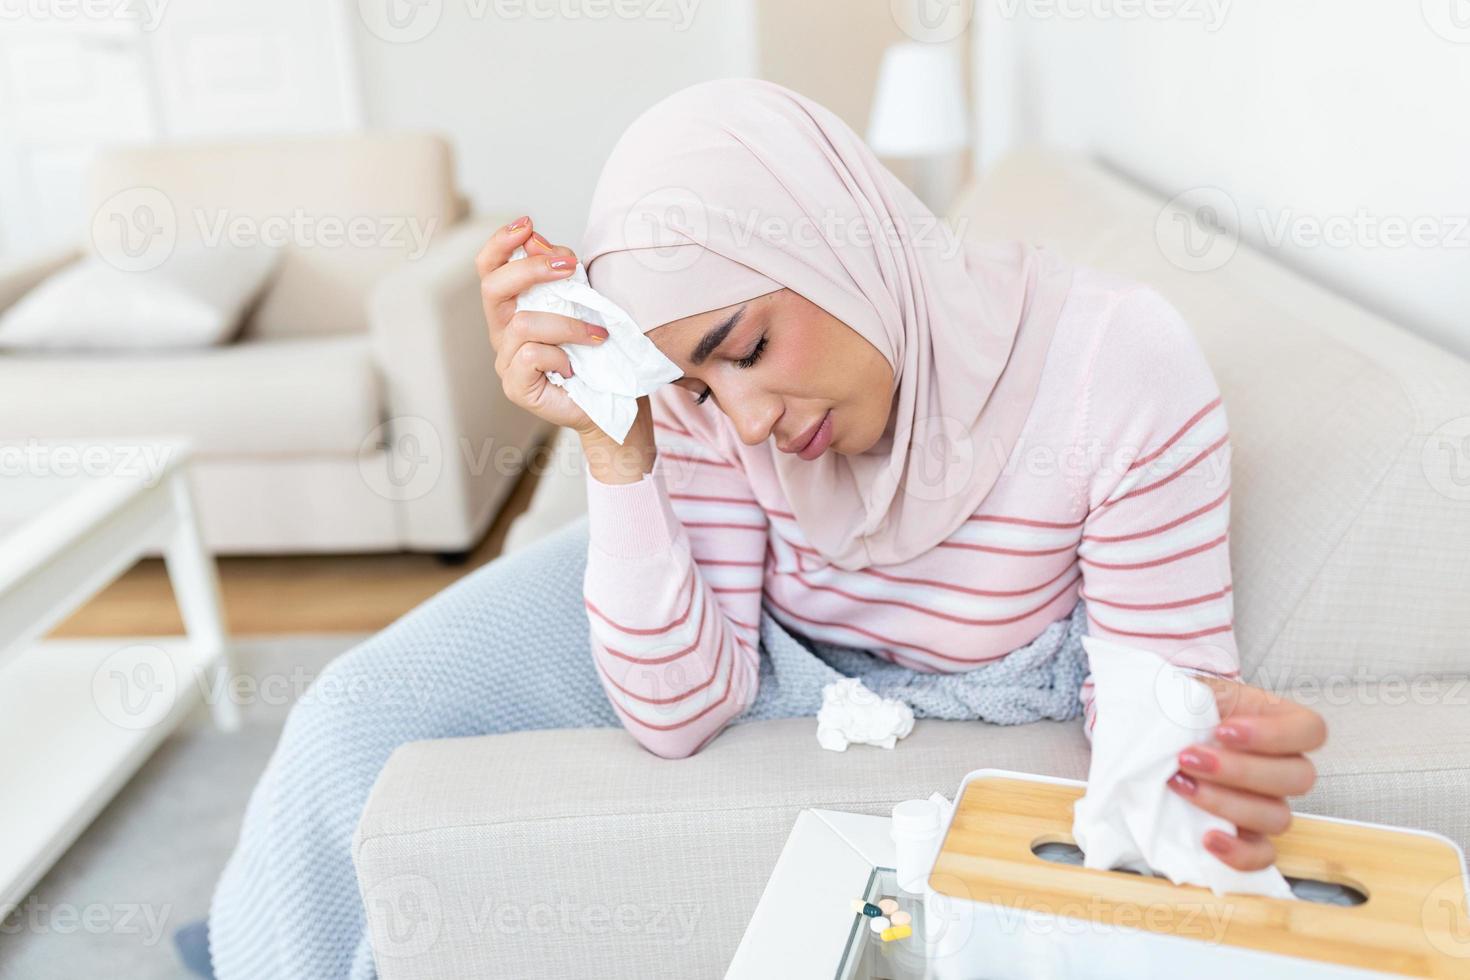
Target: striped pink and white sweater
[{"x": 1118, "y": 491}]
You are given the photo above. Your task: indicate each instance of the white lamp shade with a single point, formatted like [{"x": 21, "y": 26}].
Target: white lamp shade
[{"x": 919, "y": 107}]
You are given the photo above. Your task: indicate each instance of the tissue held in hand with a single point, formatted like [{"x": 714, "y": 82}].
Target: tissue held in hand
[
  {"x": 1149, "y": 710},
  {"x": 607, "y": 378}
]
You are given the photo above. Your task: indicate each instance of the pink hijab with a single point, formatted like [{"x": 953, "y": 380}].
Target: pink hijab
[{"x": 731, "y": 189}]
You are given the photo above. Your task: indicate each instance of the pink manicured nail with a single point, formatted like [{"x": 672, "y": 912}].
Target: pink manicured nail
[
  {"x": 561, "y": 263},
  {"x": 1198, "y": 760},
  {"x": 1183, "y": 784},
  {"x": 1232, "y": 733}
]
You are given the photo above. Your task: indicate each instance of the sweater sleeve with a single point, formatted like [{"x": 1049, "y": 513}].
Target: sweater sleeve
[
  {"x": 675, "y": 574},
  {"x": 1155, "y": 550}
]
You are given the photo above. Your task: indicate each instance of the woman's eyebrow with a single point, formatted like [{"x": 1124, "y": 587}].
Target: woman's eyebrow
[{"x": 715, "y": 338}]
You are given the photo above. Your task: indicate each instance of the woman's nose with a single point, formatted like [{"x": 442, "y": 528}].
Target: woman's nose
[{"x": 753, "y": 420}]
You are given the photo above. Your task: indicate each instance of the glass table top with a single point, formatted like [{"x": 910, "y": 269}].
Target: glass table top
[{"x": 867, "y": 956}]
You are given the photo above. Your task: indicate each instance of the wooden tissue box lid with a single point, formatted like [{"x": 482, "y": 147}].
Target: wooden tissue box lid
[{"x": 1413, "y": 923}]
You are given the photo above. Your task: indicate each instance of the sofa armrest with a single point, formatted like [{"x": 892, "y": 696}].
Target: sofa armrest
[
  {"x": 20, "y": 274},
  {"x": 445, "y": 406}
]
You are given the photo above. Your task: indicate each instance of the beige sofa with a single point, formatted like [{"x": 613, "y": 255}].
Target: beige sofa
[
  {"x": 360, "y": 410},
  {"x": 1351, "y": 552}
]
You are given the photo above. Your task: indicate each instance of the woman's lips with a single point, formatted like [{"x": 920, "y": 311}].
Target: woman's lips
[{"x": 819, "y": 440}]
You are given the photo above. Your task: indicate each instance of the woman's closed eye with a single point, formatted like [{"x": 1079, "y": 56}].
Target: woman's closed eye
[{"x": 745, "y": 362}]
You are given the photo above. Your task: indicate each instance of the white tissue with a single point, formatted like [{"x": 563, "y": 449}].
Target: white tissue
[
  {"x": 607, "y": 378},
  {"x": 853, "y": 715},
  {"x": 1149, "y": 710}
]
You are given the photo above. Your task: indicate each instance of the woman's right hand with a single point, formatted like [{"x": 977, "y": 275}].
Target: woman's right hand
[{"x": 526, "y": 342}]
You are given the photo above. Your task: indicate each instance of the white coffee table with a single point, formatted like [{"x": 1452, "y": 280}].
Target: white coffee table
[
  {"x": 78, "y": 717},
  {"x": 804, "y": 925}
]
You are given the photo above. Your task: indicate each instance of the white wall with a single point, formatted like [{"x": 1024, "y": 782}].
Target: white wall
[
  {"x": 534, "y": 104},
  {"x": 532, "y": 93},
  {"x": 1346, "y": 119}
]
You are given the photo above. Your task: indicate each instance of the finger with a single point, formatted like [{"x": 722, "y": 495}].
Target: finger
[
  {"x": 498, "y": 247},
  {"x": 1269, "y": 775},
  {"x": 525, "y": 375},
  {"x": 531, "y": 326},
  {"x": 1236, "y": 697},
  {"x": 1264, "y": 814},
  {"x": 500, "y": 287},
  {"x": 1247, "y": 851},
  {"x": 1287, "y": 728},
  {"x": 536, "y": 245}
]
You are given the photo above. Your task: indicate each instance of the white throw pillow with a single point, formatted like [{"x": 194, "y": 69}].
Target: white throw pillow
[{"x": 198, "y": 297}]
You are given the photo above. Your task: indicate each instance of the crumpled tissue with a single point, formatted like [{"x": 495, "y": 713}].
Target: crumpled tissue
[
  {"x": 1148, "y": 710},
  {"x": 607, "y": 378},
  {"x": 853, "y": 715}
]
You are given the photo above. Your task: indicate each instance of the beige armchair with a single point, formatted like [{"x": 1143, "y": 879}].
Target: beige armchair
[{"x": 359, "y": 410}]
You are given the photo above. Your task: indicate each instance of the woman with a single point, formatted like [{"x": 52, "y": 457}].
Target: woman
[{"x": 926, "y": 459}]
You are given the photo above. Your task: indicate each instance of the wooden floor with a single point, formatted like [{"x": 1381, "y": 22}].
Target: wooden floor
[{"x": 306, "y": 594}]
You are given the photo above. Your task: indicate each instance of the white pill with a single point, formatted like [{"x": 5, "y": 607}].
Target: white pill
[{"x": 878, "y": 923}]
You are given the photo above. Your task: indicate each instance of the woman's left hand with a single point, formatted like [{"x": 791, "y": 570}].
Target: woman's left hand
[{"x": 1248, "y": 780}]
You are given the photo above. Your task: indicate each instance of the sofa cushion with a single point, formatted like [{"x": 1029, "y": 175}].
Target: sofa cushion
[
  {"x": 197, "y": 298},
  {"x": 278, "y": 397}
]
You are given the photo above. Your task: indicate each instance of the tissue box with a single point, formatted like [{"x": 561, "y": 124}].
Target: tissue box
[{"x": 1004, "y": 900}]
